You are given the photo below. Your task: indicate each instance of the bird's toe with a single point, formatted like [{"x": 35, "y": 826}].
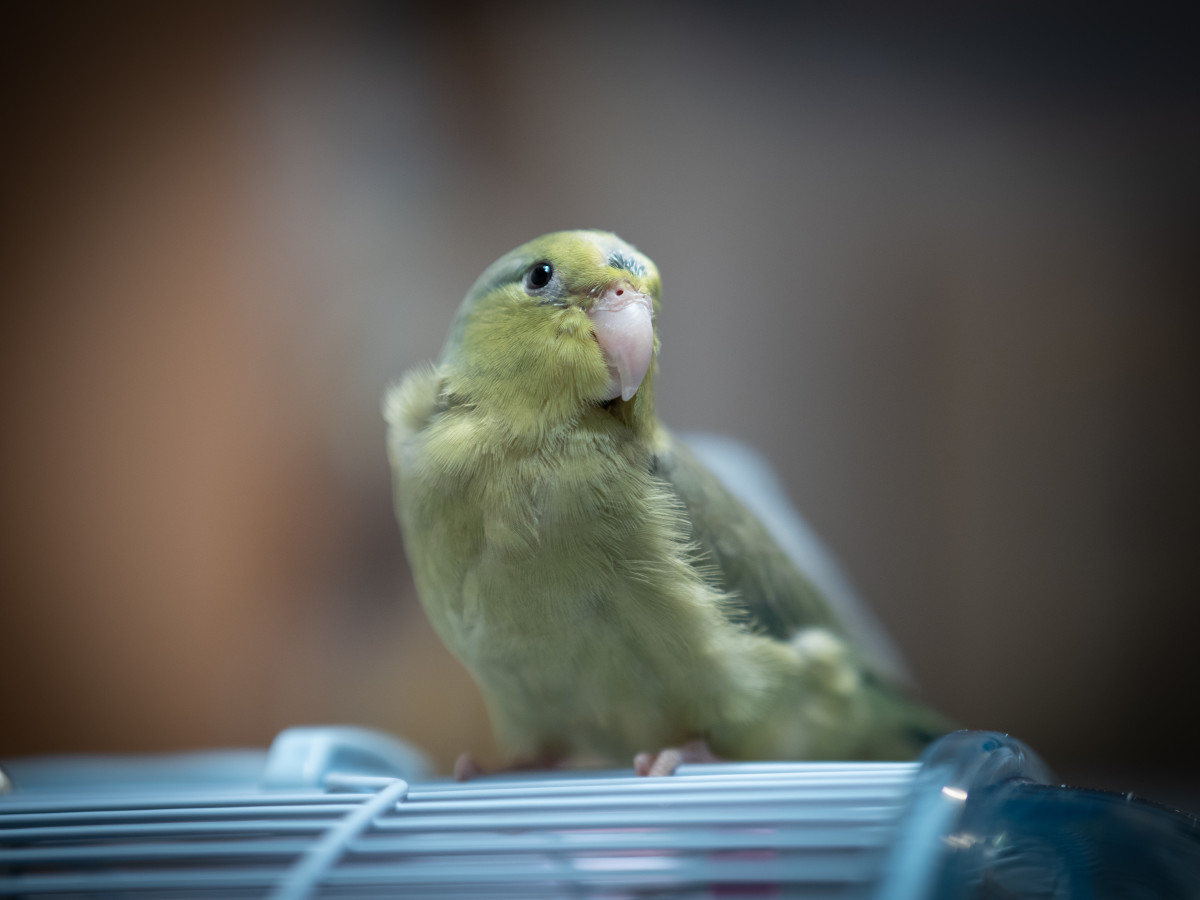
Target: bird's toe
[{"x": 667, "y": 760}]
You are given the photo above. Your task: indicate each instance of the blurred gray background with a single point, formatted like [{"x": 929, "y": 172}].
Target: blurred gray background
[{"x": 939, "y": 265}]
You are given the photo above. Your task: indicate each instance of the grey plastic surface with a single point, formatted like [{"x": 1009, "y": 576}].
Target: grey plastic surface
[{"x": 303, "y": 757}]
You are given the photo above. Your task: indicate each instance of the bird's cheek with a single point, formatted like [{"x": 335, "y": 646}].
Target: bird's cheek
[{"x": 578, "y": 362}]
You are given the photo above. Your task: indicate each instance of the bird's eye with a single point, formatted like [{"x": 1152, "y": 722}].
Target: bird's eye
[{"x": 539, "y": 276}]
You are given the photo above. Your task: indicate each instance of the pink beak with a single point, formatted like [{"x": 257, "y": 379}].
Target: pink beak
[{"x": 621, "y": 318}]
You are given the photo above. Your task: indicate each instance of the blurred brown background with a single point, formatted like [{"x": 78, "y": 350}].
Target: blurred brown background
[{"x": 940, "y": 266}]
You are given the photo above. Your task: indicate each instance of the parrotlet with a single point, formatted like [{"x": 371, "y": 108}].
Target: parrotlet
[{"x": 611, "y": 596}]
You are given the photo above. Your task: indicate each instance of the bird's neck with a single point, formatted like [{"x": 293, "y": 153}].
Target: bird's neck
[{"x": 540, "y": 412}]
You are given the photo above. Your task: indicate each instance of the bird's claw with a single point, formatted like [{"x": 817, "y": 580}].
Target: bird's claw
[
  {"x": 666, "y": 761},
  {"x": 465, "y": 768}
]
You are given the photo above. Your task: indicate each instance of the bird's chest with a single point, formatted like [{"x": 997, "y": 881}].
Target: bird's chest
[
  {"x": 535, "y": 552},
  {"x": 582, "y": 669},
  {"x": 556, "y": 578}
]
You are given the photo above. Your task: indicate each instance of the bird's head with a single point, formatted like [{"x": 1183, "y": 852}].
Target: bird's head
[{"x": 559, "y": 325}]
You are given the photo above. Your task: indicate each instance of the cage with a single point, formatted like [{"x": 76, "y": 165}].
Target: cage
[{"x": 348, "y": 812}]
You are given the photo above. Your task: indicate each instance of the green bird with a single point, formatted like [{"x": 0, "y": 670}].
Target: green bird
[{"x": 608, "y": 593}]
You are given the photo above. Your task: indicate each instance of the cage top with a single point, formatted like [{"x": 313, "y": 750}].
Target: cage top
[{"x": 337, "y": 811}]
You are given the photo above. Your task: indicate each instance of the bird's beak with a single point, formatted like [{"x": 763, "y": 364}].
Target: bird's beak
[{"x": 621, "y": 318}]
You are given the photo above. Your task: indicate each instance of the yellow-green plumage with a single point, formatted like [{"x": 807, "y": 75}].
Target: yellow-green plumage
[{"x": 606, "y": 592}]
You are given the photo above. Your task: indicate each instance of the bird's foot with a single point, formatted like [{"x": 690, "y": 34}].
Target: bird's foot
[
  {"x": 465, "y": 768},
  {"x": 664, "y": 762}
]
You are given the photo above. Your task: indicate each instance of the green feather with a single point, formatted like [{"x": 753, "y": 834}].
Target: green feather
[{"x": 770, "y": 594}]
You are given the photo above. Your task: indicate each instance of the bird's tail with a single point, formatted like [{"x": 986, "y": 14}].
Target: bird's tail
[{"x": 902, "y": 726}]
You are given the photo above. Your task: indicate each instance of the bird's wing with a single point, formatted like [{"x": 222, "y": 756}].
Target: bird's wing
[{"x": 758, "y": 548}]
